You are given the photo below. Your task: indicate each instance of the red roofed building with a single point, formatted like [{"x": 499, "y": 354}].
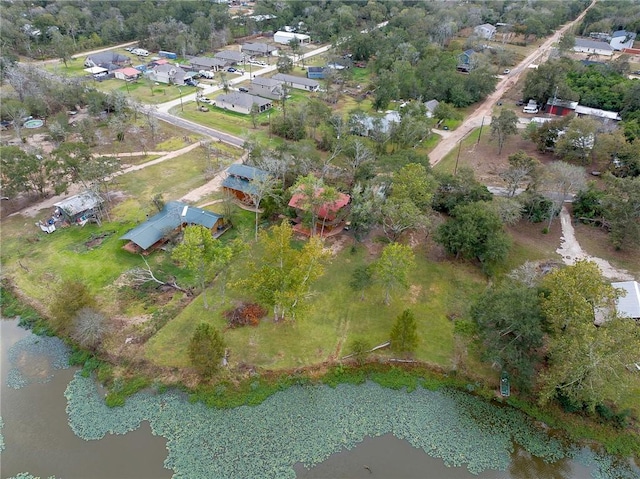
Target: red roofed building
[
  {"x": 330, "y": 216},
  {"x": 127, "y": 73}
]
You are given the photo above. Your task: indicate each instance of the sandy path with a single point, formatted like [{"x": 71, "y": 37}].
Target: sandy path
[
  {"x": 211, "y": 186},
  {"x": 571, "y": 251}
]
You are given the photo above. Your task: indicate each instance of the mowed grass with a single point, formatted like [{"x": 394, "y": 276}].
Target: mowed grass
[
  {"x": 337, "y": 315},
  {"x": 35, "y": 260}
]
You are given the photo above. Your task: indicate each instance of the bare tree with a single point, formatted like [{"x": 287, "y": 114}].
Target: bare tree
[
  {"x": 89, "y": 328},
  {"x": 561, "y": 180},
  {"x": 522, "y": 168},
  {"x": 17, "y": 115},
  {"x": 139, "y": 276},
  {"x": 261, "y": 186}
]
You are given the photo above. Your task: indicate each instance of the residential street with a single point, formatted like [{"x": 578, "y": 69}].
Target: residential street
[{"x": 484, "y": 109}]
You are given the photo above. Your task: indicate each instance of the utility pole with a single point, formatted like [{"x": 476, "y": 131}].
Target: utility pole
[
  {"x": 455, "y": 169},
  {"x": 479, "y": 134}
]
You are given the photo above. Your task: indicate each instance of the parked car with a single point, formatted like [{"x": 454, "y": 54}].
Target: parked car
[
  {"x": 203, "y": 108},
  {"x": 129, "y": 49},
  {"x": 520, "y": 103},
  {"x": 206, "y": 100},
  {"x": 231, "y": 70},
  {"x": 530, "y": 109},
  {"x": 192, "y": 82},
  {"x": 506, "y": 71},
  {"x": 243, "y": 89}
]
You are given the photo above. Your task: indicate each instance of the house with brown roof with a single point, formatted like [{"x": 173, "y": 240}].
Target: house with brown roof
[{"x": 330, "y": 215}]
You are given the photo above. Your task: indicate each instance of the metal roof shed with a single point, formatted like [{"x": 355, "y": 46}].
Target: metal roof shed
[{"x": 79, "y": 205}]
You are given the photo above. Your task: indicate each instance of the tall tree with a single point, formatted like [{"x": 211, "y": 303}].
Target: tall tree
[
  {"x": 587, "y": 363},
  {"x": 280, "y": 275},
  {"x": 621, "y": 205},
  {"x": 475, "y": 232},
  {"x": 503, "y": 126},
  {"x": 414, "y": 183},
  {"x": 578, "y": 141},
  {"x": 404, "y": 334},
  {"x": 522, "y": 169},
  {"x": 204, "y": 255},
  {"x": 206, "y": 350},
  {"x": 314, "y": 195},
  {"x": 511, "y": 326},
  {"x": 392, "y": 269},
  {"x": 399, "y": 215},
  {"x": 261, "y": 187},
  {"x": 560, "y": 181}
]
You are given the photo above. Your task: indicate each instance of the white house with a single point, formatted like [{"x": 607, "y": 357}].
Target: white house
[
  {"x": 285, "y": 37},
  {"x": 266, "y": 87},
  {"x": 167, "y": 73},
  {"x": 242, "y": 102},
  {"x": 300, "y": 83},
  {"x": 486, "y": 31},
  {"x": 622, "y": 39},
  {"x": 584, "y": 45}
]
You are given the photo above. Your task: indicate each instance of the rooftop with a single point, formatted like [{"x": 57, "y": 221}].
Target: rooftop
[
  {"x": 78, "y": 203},
  {"x": 628, "y": 306}
]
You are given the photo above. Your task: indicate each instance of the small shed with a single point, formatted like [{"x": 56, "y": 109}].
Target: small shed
[
  {"x": 486, "y": 31},
  {"x": 81, "y": 207},
  {"x": 127, "y": 74},
  {"x": 158, "y": 229},
  {"x": 561, "y": 107},
  {"x": 239, "y": 181}
]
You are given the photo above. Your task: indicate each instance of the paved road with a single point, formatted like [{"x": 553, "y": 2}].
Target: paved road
[
  {"x": 162, "y": 111},
  {"x": 483, "y": 112}
]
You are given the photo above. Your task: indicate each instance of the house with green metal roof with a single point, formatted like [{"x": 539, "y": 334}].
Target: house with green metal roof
[
  {"x": 239, "y": 181},
  {"x": 159, "y": 229}
]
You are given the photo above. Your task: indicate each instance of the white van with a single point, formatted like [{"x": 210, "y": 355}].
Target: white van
[{"x": 530, "y": 109}]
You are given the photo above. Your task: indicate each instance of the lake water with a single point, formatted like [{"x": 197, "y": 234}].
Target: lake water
[{"x": 244, "y": 442}]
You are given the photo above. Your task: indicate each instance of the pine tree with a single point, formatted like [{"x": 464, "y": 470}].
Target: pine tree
[
  {"x": 206, "y": 350},
  {"x": 404, "y": 334}
]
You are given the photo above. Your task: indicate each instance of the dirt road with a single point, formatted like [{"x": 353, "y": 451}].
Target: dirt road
[{"x": 483, "y": 111}]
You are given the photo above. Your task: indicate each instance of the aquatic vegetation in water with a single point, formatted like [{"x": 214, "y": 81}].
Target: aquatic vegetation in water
[
  {"x": 51, "y": 350},
  {"x": 309, "y": 423}
]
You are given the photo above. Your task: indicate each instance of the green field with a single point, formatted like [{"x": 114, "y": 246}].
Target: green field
[{"x": 337, "y": 316}]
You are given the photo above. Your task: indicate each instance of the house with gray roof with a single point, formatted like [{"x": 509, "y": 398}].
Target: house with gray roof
[
  {"x": 230, "y": 57},
  {"x": 206, "y": 63},
  {"x": 365, "y": 125},
  {"x": 486, "y": 31},
  {"x": 239, "y": 181},
  {"x": 266, "y": 88},
  {"x": 80, "y": 207},
  {"x": 167, "y": 73},
  {"x": 242, "y": 102},
  {"x": 106, "y": 58},
  {"x": 301, "y": 83},
  {"x": 159, "y": 229},
  {"x": 585, "y": 45},
  {"x": 258, "y": 49}
]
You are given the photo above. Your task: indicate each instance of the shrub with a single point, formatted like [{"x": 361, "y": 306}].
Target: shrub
[
  {"x": 360, "y": 350},
  {"x": 69, "y": 298},
  {"x": 245, "y": 314}
]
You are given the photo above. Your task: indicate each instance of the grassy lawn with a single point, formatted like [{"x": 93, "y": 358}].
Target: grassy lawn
[
  {"x": 336, "y": 317},
  {"x": 448, "y": 163},
  {"x": 146, "y": 91}
]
